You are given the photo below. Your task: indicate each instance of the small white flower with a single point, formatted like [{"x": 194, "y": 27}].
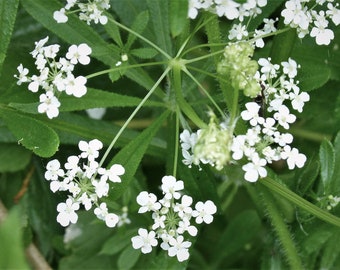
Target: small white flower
[
  {"x": 179, "y": 247},
  {"x": 255, "y": 169},
  {"x": 39, "y": 45},
  {"x": 101, "y": 212},
  {"x": 113, "y": 173},
  {"x": 75, "y": 86},
  {"x": 184, "y": 208},
  {"x": 228, "y": 8},
  {"x": 290, "y": 68},
  {"x": 49, "y": 105},
  {"x": 268, "y": 68},
  {"x": 101, "y": 188},
  {"x": 148, "y": 202},
  {"x": 67, "y": 212},
  {"x": 184, "y": 225},
  {"x": 111, "y": 220},
  {"x": 79, "y": 54},
  {"x": 204, "y": 211},
  {"x": 294, "y": 158},
  {"x": 252, "y": 114},
  {"x": 53, "y": 170},
  {"x": 144, "y": 241},
  {"x": 298, "y": 100},
  {"x": 90, "y": 149},
  {"x": 284, "y": 117},
  {"x": 72, "y": 165},
  {"x": 158, "y": 221},
  {"x": 170, "y": 187},
  {"x": 22, "y": 74},
  {"x": 60, "y": 16}
]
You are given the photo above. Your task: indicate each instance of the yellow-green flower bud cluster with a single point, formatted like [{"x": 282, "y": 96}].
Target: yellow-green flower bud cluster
[
  {"x": 213, "y": 145},
  {"x": 239, "y": 68}
]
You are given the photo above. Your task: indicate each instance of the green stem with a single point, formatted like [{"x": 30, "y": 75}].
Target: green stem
[
  {"x": 141, "y": 37},
  {"x": 282, "y": 231},
  {"x": 140, "y": 105},
  {"x": 182, "y": 103},
  {"x": 106, "y": 71},
  {"x": 204, "y": 57},
  {"x": 176, "y": 143},
  {"x": 300, "y": 202},
  {"x": 205, "y": 91}
]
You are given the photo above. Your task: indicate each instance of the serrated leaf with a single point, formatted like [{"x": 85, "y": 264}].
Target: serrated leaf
[
  {"x": 128, "y": 258},
  {"x": 31, "y": 133},
  {"x": 138, "y": 26},
  {"x": 144, "y": 53},
  {"x": 327, "y": 159},
  {"x": 331, "y": 251},
  {"x": 178, "y": 16},
  {"x": 113, "y": 31},
  {"x": 160, "y": 22},
  {"x": 19, "y": 157},
  {"x": 308, "y": 176},
  {"x": 8, "y": 11},
  {"x": 312, "y": 76},
  {"x": 131, "y": 155}
]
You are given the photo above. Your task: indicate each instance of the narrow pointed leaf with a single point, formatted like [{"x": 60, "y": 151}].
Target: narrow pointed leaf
[
  {"x": 327, "y": 158},
  {"x": 178, "y": 16}
]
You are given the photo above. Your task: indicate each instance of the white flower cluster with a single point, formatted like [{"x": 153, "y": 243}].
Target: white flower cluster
[
  {"x": 228, "y": 8},
  {"x": 299, "y": 15},
  {"x": 239, "y": 32},
  {"x": 80, "y": 179},
  {"x": 172, "y": 218},
  {"x": 263, "y": 142},
  {"x": 88, "y": 12},
  {"x": 55, "y": 75}
]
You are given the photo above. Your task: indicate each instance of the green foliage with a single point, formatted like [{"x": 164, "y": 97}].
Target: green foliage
[{"x": 288, "y": 219}]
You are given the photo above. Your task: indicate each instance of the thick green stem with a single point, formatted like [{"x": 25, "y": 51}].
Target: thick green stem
[
  {"x": 300, "y": 202},
  {"x": 281, "y": 230},
  {"x": 140, "y": 105}
]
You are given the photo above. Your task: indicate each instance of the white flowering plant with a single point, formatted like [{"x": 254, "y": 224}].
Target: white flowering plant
[{"x": 169, "y": 134}]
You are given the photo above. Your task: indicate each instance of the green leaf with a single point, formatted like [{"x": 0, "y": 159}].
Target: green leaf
[
  {"x": 331, "y": 251},
  {"x": 113, "y": 31},
  {"x": 20, "y": 157},
  {"x": 164, "y": 261},
  {"x": 327, "y": 159},
  {"x": 241, "y": 230},
  {"x": 8, "y": 11},
  {"x": 144, "y": 53},
  {"x": 117, "y": 242},
  {"x": 335, "y": 184},
  {"x": 31, "y": 133},
  {"x": 178, "y": 16},
  {"x": 312, "y": 76},
  {"x": 160, "y": 22},
  {"x": 12, "y": 255},
  {"x": 138, "y": 26},
  {"x": 131, "y": 155},
  {"x": 128, "y": 258},
  {"x": 308, "y": 176}
]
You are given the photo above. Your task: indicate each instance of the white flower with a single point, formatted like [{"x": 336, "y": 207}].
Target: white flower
[
  {"x": 284, "y": 117},
  {"x": 268, "y": 68},
  {"x": 90, "y": 149},
  {"x": 86, "y": 201},
  {"x": 51, "y": 51},
  {"x": 171, "y": 186},
  {"x": 49, "y": 105},
  {"x": 158, "y": 221},
  {"x": 79, "y": 54},
  {"x": 184, "y": 225},
  {"x": 96, "y": 113},
  {"x": 298, "y": 100},
  {"x": 148, "y": 202},
  {"x": 183, "y": 208},
  {"x": 22, "y": 74},
  {"x": 67, "y": 212},
  {"x": 39, "y": 47},
  {"x": 101, "y": 188},
  {"x": 145, "y": 241},
  {"x": 188, "y": 140},
  {"x": 238, "y": 31},
  {"x": 204, "y": 211},
  {"x": 53, "y": 170},
  {"x": 101, "y": 212},
  {"x": 179, "y": 247},
  {"x": 290, "y": 68},
  {"x": 112, "y": 174},
  {"x": 269, "y": 126},
  {"x": 227, "y": 8},
  {"x": 72, "y": 165},
  {"x": 239, "y": 146},
  {"x": 294, "y": 158},
  {"x": 334, "y": 13},
  {"x": 255, "y": 169},
  {"x": 252, "y": 114},
  {"x": 111, "y": 220},
  {"x": 322, "y": 36},
  {"x": 60, "y": 16},
  {"x": 75, "y": 86},
  {"x": 283, "y": 139}
]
